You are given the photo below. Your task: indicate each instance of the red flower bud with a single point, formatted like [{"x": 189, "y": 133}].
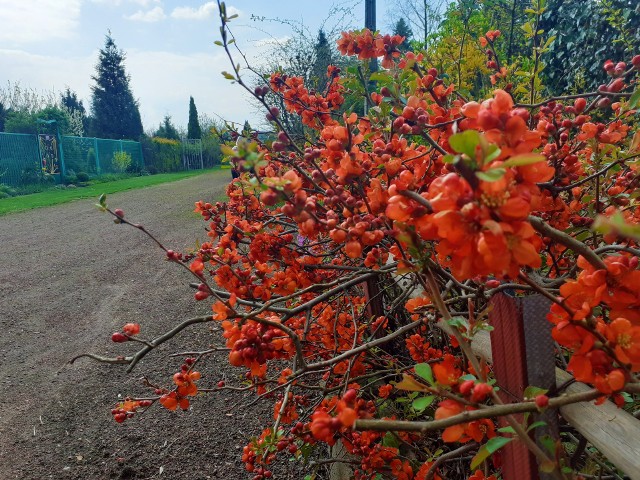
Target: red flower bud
[
  {"x": 466, "y": 386},
  {"x": 119, "y": 337},
  {"x": 542, "y": 401}
]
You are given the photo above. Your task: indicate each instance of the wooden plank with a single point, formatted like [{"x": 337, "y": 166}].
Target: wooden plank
[{"x": 610, "y": 429}]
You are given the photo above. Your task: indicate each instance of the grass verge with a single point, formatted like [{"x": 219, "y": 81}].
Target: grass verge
[{"x": 58, "y": 196}]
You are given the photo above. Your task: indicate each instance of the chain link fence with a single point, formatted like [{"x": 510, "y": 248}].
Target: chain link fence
[
  {"x": 19, "y": 158},
  {"x": 97, "y": 156},
  {"x": 26, "y": 159}
]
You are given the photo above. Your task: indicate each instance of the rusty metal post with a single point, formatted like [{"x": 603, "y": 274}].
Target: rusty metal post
[{"x": 523, "y": 354}]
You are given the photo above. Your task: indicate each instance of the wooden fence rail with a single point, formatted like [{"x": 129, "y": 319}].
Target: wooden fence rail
[{"x": 613, "y": 431}]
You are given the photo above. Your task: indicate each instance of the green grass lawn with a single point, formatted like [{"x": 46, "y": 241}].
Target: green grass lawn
[{"x": 58, "y": 196}]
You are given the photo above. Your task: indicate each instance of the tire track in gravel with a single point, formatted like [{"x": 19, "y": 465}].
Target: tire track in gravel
[{"x": 69, "y": 278}]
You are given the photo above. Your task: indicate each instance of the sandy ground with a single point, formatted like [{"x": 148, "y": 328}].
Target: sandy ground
[{"x": 69, "y": 278}]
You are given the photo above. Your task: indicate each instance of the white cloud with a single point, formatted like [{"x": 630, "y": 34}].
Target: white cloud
[
  {"x": 202, "y": 12},
  {"x": 117, "y": 3},
  {"x": 162, "y": 81},
  {"x": 47, "y": 72},
  {"x": 37, "y": 20},
  {"x": 154, "y": 15}
]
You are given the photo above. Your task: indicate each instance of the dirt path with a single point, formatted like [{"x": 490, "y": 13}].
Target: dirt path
[{"x": 69, "y": 278}]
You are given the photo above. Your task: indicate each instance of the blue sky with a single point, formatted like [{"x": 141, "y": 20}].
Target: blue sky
[{"x": 51, "y": 44}]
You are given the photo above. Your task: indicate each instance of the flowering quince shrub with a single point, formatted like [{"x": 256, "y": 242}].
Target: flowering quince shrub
[{"x": 350, "y": 273}]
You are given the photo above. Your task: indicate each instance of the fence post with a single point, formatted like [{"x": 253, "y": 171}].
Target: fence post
[
  {"x": 520, "y": 343},
  {"x": 95, "y": 146},
  {"x": 63, "y": 168},
  {"x": 201, "y": 159}
]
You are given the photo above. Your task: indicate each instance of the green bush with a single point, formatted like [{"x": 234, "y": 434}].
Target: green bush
[
  {"x": 83, "y": 177},
  {"x": 121, "y": 161},
  {"x": 7, "y": 191},
  {"x": 34, "y": 174},
  {"x": 162, "y": 154}
]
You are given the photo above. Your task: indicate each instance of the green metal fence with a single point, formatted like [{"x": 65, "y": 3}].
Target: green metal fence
[
  {"x": 19, "y": 158},
  {"x": 23, "y": 161},
  {"x": 95, "y": 156}
]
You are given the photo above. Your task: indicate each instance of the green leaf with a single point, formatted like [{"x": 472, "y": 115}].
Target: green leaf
[
  {"x": 532, "y": 392},
  {"x": 524, "y": 159},
  {"x": 465, "y": 142},
  {"x": 491, "y": 175},
  {"x": 548, "y": 443},
  {"x": 410, "y": 384},
  {"x": 635, "y": 98},
  {"x": 536, "y": 425},
  {"x": 492, "y": 153},
  {"x": 451, "y": 158},
  {"x": 390, "y": 440},
  {"x": 102, "y": 200},
  {"x": 547, "y": 466},
  {"x": 423, "y": 370},
  {"x": 228, "y": 76},
  {"x": 380, "y": 77},
  {"x": 486, "y": 450},
  {"x": 218, "y": 42},
  {"x": 421, "y": 403},
  {"x": 507, "y": 430},
  {"x": 627, "y": 398},
  {"x": 459, "y": 323},
  {"x": 616, "y": 224}
]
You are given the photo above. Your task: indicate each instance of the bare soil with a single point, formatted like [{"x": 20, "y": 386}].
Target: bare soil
[{"x": 69, "y": 278}]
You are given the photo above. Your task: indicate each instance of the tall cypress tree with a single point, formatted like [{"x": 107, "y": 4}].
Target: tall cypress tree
[
  {"x": 115, "y": 111},
  {"x": 193, "y": 129}
]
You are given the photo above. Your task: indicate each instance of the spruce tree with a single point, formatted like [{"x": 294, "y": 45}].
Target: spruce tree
[
  {"x": 322, "y": 59},
  {"x": 69, "y": 99},
  {"x": 167, "y": 129},
  {"x": 115, "y": 111},
  {"x": 193, "y": 129},
  {"x": 402, "y": 28}
]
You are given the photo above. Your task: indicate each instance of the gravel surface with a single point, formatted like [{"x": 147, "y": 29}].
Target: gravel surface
[{"x": 69, "y": 278}]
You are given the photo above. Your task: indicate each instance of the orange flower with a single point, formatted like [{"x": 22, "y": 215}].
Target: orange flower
[
  {"x": 424, "y": 469},
  {"x": 385, "y": 390},
  {"x": 480, "y": 429},
  {"x": 626, "y": 339},
  {"x": 446, "y": 372},
  {"x": 446, "y": 409},
  {"x": 479, "y": 475},
  {"x": 611, "y": 382}
]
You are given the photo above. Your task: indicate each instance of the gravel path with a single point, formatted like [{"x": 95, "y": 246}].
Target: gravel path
[{"x": 69, "y": 278}]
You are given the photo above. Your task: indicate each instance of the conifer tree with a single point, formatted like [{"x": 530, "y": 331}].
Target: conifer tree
[
  {"x": 402, "y": 28},
  {"x": 193, "y": 129},
  {"x": 115, "y": 111},
  {"x": 167, "y": 129},
  {"x": 323, "y": 57}
]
